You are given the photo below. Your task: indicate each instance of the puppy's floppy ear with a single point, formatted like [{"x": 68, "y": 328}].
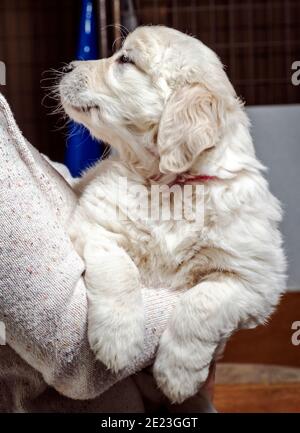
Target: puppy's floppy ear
[{"x": 188, "y": 126}]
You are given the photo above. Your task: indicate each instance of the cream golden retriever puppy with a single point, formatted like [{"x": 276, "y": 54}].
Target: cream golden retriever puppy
[{"x": 166, "y": 105}]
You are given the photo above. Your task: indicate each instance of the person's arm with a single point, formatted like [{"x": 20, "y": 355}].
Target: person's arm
[{"x": 42, "y": 294}]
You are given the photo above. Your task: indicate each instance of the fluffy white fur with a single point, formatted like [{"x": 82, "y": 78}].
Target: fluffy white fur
[{"x": 172, "y": 110}]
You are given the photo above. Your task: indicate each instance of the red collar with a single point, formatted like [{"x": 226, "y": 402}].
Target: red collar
[
  {"x": 189, "y": 178},
  {"x": 185, "y": 179}
]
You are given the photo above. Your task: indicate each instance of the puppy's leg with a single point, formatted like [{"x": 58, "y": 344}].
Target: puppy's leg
[
  {"x": 115, "y": 313},
  {"x": 204, "y": 317}
]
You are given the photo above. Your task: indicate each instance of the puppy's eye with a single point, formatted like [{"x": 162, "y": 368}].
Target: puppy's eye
[{"x": 125, "y": 59}]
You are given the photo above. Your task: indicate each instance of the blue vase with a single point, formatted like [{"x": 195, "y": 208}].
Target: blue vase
[{"x": 82, "y": 150}]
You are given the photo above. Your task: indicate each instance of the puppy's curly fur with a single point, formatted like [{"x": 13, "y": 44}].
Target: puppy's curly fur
[{"x": 165, "y": 103}]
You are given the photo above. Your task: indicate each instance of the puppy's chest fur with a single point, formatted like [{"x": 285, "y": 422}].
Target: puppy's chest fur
[{"x": 173, "y": 252}]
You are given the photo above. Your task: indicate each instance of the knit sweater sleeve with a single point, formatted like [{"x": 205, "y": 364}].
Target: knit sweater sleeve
[{"x": 43, "y": 303}]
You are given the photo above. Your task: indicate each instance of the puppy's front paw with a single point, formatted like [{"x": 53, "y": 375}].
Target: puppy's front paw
[
  {"x": 116, "y": 315},
  {"x": 176, "y": 371},
  {"x": 118, "y": 339}
]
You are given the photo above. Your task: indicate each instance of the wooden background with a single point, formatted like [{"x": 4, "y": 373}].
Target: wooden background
[{"x": 272, "y": 385}]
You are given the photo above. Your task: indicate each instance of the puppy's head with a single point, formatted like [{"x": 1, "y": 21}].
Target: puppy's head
[{"x": 162, "y": 98}]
